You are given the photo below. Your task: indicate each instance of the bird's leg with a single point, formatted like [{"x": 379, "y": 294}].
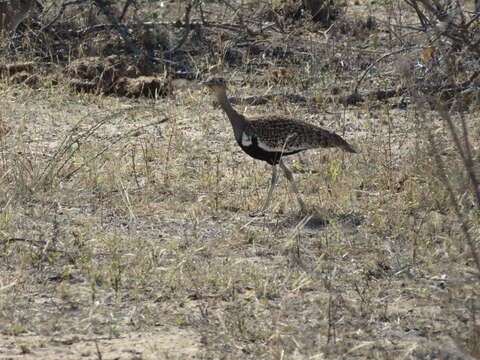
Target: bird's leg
[
  {"x": 293, "y": 186},
  {"x": 270, "y": 192}
]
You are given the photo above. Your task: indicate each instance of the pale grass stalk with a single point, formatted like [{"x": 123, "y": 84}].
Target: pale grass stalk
[
  {"x": 173, "y": 131},
  {"x": 468, "y": 166}
]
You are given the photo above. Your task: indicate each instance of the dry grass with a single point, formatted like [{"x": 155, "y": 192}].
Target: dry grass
[{"x": 124, "y": 227}]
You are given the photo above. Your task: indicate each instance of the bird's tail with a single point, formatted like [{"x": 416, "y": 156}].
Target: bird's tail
[{"x": 342, "y": 144}]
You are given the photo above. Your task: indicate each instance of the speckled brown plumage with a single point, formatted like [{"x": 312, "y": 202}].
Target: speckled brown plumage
[
  {"x": 271, "y": 137},
  {"x": 287, "y": 134}
]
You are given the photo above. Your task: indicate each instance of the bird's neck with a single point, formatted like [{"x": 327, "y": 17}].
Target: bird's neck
[{"x": 237, "y": 120}]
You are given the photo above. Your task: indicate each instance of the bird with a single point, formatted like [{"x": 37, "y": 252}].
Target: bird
[
  {"x": 13, "y": 12},
  {"x": 271, "y": 137}
]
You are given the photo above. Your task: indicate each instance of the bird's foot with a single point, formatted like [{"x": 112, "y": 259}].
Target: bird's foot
[{"x": 260, "y": 213}]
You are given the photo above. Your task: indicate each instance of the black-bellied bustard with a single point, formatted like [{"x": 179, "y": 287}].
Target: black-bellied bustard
[{"x": 270, "y": 137}]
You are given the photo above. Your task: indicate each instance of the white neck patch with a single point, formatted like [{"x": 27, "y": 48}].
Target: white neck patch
[{"x": 246, "y": 139}]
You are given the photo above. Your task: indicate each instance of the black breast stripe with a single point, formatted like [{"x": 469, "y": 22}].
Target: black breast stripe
[{"x": 271, "y": 157}]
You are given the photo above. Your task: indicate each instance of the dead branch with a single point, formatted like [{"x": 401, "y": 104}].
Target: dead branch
[
  {"x": 355, "y": 98},
  {"x": 47, "y": 26},
  {"x": 122, "y": 30},
  {"x": 186, "y": 32},
  {"x": 173, "y": 24},
  {"x": 464, "y": 151},
  {"x": 351, "y": 99},
  {"x": 195, "y": 25},
  {"x": 30, "y": 241},
  {"x": 263, "y": 99},
  {"x": 451, "y": 26},
  {"x": 61, "y": 12},
  {"x": 423, "y": 19},
  {"x": 125, "y": 9},
  {"x": 453, "y": 198}
]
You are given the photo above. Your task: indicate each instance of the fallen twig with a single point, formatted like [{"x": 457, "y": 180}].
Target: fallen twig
[
  {"x": 173, "y": 24},
  {"x": 356, "y": 98},
  {"x": 263, "y": 99}
]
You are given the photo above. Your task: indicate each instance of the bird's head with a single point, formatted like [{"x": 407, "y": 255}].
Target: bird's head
[{"x": 216, "y": 84}]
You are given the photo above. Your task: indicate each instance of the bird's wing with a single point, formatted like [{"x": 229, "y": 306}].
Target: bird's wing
[{"x": 281, "y": 134}]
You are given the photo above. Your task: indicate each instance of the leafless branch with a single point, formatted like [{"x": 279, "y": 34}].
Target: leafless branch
[
  {"x": 463, "y": 150},
  {"x": 48, "y": 25},
  {"x": 263, "y": 99},
  {"x": 451, "y": 26},
  {"x": 453, "y": 200},
  {"x": 356, "y": 97},
  {"x": 125, "y": 9},
  {"x": 177, "y": 24},
  {"x": 186, "y": 32},
  {"x": 122, "y": 30},
  {"x": 423, "y": 19},
  {"x": 61, "y": 11}
]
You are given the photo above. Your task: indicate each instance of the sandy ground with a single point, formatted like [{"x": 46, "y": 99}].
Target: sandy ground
[{"x": 164, "y": 342}]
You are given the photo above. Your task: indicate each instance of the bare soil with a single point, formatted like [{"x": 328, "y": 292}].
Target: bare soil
[{"x": 124, "y": 221}]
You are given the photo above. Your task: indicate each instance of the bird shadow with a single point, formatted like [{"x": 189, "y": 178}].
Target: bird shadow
[
  {"x": 319, "y": 221},
  {"x": 312, "y": 221}
]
